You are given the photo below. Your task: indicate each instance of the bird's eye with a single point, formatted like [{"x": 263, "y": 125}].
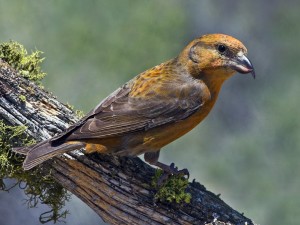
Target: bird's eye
[{"x": 222, "y": 48}]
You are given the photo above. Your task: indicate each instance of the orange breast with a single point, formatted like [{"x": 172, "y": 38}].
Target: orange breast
[{"x": 161, "y": 136}]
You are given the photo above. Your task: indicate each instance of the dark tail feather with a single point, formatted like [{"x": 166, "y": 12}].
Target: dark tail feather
[
  {"x": 43, "y": 151},
  {"x": 21, "y": 150},
  {"x": 26, "y": 149}
]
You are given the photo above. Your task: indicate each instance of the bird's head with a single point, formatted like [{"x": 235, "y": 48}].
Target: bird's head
[{"x": 217, "y": 56}]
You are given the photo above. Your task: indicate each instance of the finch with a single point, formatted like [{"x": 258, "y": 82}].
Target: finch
[{"x": 154, "y": 108}]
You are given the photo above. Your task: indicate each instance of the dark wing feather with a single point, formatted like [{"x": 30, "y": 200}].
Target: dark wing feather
[
  {"x": 119, "y": 93},
  {"x": 121, "y": 113}
]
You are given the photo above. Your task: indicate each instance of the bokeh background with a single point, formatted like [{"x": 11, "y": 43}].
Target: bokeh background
[{"x": 248, "y": 147}]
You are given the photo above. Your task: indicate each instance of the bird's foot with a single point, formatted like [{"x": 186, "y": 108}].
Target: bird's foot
[
  {"x": 175, "y": 171},
  {"x": 171, "y": 170}
]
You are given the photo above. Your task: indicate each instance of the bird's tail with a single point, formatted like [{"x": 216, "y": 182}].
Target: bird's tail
[{"x": 38, "y": 153}]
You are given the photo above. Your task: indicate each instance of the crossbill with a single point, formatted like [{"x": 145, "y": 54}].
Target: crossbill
[{"x": 154, "y": 108}]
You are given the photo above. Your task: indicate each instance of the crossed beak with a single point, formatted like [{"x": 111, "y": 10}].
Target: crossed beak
[{"x": 243, "y": 65}]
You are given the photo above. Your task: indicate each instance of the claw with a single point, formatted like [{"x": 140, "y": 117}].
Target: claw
[
  {"x": 184, "y": 172},
  {"x": 174, "y": 170},
  {"x": 169, "y": 170}
]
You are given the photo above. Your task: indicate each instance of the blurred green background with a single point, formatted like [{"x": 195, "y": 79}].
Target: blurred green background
[{"x": 248, "y": 147}]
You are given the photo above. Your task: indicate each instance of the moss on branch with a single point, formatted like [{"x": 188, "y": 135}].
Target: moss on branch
[
  {"x": 29, "y": 65},
  {"x": 38, "y": 184},
  {"x": 173, "y": 190}
]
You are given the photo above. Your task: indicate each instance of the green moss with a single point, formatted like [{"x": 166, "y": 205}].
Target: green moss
[
  {"x": 22, "y": 98},
  {"x": 78, "y": 113},
  {"x": 29, "y": 65},
  {"x": 69, "y": 106},
  {"x": 38, "y": 184},
  {"x": 172, "y": 190}
]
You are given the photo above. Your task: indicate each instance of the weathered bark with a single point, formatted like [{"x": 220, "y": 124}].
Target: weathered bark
[{"x": 117, "y": 189}]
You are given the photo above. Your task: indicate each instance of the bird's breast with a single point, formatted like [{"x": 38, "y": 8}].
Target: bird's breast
[{"x": 161, "y": 136}]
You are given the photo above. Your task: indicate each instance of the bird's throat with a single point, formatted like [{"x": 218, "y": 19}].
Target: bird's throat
[{"x": 214, "y": 85}]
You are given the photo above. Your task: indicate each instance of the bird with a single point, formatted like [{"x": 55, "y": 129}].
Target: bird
[{"x": 154, "y": 108}]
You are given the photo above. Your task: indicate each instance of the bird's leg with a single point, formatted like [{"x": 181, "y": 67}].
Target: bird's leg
[{"x": 152, "y": 158}]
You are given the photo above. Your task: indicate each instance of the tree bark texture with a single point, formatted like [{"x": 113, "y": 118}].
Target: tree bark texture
[{"x": 117, "y": 189}]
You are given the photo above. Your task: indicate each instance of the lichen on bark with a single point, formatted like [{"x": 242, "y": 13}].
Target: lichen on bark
[{"x": 38, "y": 183}]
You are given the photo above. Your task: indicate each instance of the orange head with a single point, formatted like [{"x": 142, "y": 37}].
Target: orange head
[{"x": 216, "y": 56}]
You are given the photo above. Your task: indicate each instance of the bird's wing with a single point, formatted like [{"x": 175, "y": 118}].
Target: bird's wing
[
  {"x": 126, "y": 110},
  {"x": 119, "y": 93}
]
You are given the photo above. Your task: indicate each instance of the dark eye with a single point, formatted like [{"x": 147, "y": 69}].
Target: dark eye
[{"x": 222, "y": 48}]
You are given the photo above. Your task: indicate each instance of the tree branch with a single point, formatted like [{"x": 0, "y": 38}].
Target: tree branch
[{"x": 118, "y": 189}]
